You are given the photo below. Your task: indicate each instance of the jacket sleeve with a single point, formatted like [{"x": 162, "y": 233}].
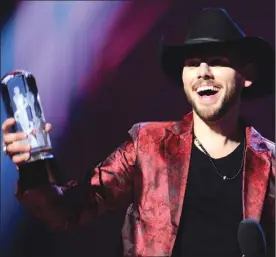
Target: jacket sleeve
[{"x": 109, "y": 187}]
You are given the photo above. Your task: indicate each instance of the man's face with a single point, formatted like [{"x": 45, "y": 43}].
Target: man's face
[{"x": 212, "y": 85}]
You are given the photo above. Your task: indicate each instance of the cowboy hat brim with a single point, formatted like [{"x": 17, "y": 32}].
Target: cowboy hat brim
[{"x": 253, "y": 49}]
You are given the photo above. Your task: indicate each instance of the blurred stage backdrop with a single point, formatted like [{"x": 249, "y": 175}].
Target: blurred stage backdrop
[{"x": 96, "y": 66}]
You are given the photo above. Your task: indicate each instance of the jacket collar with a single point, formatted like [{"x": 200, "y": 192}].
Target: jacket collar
[{"x": 254, "y": 140}]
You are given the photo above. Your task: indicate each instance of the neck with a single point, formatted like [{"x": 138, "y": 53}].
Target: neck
[{"x": 221, "y": 133}]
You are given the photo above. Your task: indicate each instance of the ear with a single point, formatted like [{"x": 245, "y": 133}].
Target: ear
[{"x": 250, "y": 74}]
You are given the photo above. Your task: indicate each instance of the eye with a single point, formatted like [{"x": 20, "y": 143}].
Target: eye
[
  {"x": 219, "y": 62},
  {"x": 192, "y": 62}
]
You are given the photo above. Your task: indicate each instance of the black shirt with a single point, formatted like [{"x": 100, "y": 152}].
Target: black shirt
[{"x": 212, "y": 207}]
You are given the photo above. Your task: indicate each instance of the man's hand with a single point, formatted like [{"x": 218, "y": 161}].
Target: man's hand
[{"x": 18, "y": 151}]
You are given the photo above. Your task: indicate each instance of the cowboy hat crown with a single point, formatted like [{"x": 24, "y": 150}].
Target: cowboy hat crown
[{"x": 213, "y": 25}]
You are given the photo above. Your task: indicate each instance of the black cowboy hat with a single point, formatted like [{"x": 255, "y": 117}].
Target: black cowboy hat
[{"x": 214, "y": 30}]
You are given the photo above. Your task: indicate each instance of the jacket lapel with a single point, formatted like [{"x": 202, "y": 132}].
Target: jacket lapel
[
  {"x": 178, "y": 149},
  {"x": 256, "y": 175}
]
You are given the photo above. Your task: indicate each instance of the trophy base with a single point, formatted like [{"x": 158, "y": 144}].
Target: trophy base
[{"x": 40, "y": 154}]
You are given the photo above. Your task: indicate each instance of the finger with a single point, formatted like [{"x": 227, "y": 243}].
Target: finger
[
  {"x": 48, "y": 127},
  {"x": 12, "y": 137},
  {"x": 17, "y": 147},
  {"x": 7, "y": 124},
  {"x": 21, "y": 158}
]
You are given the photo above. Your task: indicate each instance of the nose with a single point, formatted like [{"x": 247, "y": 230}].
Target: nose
[{"x": 204, "y": 71}]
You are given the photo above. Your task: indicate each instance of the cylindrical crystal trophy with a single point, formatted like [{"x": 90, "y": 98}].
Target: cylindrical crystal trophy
[{"x": 21, "y": 100}]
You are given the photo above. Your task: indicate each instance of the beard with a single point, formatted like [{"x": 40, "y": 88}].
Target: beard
[{"x": 217, "y": 111}]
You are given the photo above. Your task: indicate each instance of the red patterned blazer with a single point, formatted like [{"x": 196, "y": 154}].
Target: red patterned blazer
[{"x": 147, "y": 176}]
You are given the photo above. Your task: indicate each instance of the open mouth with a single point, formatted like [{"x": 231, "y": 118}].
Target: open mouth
[{"x": 207, "y": 90}]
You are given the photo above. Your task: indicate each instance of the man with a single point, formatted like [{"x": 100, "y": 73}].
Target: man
[{"x": 185, "y": 185}]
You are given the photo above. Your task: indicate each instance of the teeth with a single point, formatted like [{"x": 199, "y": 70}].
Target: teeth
[{"x": 204, "y": 88}]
